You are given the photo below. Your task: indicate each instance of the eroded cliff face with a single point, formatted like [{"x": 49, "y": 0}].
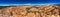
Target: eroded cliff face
[{"x": 31, "y": 11}]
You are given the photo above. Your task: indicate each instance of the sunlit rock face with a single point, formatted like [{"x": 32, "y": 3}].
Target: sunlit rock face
[
  {"x": 31, "y": 11},
  {"x": 18, "y": 11}
]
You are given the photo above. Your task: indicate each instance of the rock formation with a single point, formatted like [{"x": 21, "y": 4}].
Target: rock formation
[{"x": 31, "y": 11}]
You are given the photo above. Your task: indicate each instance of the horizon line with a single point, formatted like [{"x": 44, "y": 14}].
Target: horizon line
[{"x": 27, "y": 4}]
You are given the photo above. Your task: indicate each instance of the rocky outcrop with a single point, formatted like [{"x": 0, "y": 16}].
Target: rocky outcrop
[{"x": 32, "y": 11}]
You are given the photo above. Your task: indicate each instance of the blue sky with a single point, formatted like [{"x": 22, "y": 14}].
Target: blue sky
[{"x": 5, "y": 2}]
